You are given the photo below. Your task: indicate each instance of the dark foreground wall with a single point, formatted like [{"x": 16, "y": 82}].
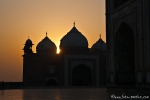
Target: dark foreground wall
[{"x": 11, "y": 85}]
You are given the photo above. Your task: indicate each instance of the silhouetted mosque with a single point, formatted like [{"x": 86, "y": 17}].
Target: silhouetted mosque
[
  {"x": 75, "y": 65},
  {"x": 128, "y": 42}
]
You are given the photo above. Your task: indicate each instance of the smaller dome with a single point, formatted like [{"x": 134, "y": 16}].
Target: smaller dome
[
  {"x": 46, "y": 45},
  {"x": 100, "y": 44}
]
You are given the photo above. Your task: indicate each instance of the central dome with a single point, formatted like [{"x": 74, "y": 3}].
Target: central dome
[{"x": 74, "y": 39}]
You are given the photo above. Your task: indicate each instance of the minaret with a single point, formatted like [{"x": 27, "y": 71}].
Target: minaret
[{"x": 28, "y": 46}]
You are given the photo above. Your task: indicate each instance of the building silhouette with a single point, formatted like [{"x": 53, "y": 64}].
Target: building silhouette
[
  {"x": 75, "y": 65},
  {"x": 127, "y": 37}
]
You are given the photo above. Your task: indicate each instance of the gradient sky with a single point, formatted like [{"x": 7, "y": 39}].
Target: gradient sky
[{"x": 22, "y": 18}]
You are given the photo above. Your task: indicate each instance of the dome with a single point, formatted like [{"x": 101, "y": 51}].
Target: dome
[
  {"x": 46, "y": 45},
  {"x": 74, "y": 38},
  {"x": 100, "y": 44}
]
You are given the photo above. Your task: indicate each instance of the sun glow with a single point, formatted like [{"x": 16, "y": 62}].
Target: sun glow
[{"x": 58, "y": 50}]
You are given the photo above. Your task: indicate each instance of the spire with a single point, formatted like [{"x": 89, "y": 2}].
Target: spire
[
  {"x": 46, "y": 33},
  {"x": 100, "y": 36},
  {"x": 28, "y": 37},
  {"x": 74, "y": 24}
]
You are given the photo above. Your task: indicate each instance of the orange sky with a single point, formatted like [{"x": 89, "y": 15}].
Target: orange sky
[{"x": 22, "y": 18}]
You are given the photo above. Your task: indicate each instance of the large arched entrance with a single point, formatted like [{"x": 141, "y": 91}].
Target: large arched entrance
[
  {"x": 51, "y": 82},
  {"x": 125, "y": 56},
  {"x": 81, "y": 76}
]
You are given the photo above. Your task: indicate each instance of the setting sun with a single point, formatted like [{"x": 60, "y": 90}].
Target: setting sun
[{"x": 58, "y": 50}]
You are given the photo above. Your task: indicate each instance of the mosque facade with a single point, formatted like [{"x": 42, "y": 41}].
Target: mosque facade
[
  {"x": 128, "y": 39},
  {"x": 75, "y": 65}
]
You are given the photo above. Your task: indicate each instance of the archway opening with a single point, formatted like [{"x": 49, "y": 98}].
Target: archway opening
[
  {"x": 82, "y": 76},
  {"x": 125, "y": 56},
  {"x": 51, "y": 82}
]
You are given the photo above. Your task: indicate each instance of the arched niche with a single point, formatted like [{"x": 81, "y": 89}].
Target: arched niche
[
  {"x": 81, "y": 76},
  {"x": 125, "y": 56}
]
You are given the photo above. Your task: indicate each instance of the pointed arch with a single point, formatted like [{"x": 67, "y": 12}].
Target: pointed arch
[
  {"x": 125, "y": 55},
  {"x": 81, "y": 76}
]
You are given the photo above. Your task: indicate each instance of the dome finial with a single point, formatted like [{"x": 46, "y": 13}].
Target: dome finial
[
  {"x": 100, "y": 36},
  {"x": 46, "y": 33},
  {"x": 74, "y": 24}
]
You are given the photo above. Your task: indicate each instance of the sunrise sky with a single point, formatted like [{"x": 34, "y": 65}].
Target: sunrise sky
[{"x": 22, "y": 18}]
